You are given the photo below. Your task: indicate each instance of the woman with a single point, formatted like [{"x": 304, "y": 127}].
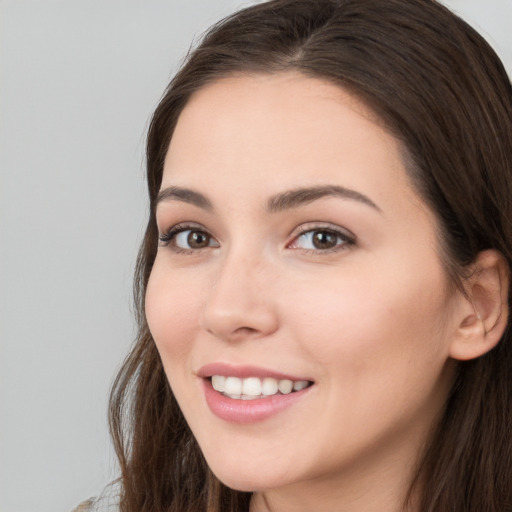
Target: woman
[{"x": 323, "y": 287}]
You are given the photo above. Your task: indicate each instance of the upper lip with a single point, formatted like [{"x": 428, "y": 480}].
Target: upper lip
[{"x": 243, "y": 372}]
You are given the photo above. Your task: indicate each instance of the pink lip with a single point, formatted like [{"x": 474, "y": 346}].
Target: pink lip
[
  {"x": 243, "y": 372},
  {"x": 248, "y": 411}
]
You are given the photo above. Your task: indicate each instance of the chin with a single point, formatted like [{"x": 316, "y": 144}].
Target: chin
[
  {"x": 249, "y": 484},
  {"x": 251, "y": 478}
]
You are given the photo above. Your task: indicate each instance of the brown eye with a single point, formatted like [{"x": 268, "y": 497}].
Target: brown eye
[
  {"x": 187, "y": 239},
  {"x": 197, "y": 239},
  {"x": 324, "y": 239}
]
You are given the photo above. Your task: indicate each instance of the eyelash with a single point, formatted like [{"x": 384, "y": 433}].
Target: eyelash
[
  {"x": 168, "y": 238},
  {"x": 347, "y": 239}
]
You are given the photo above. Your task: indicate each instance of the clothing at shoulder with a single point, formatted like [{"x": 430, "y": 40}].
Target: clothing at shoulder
[
  {"x": 84, "y": 507},
  {"x": 107, "y": 501}
]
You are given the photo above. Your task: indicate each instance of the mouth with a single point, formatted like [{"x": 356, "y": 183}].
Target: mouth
[
  {"x": 253, "y": 388},
  {"x": 248, "y": 394}
]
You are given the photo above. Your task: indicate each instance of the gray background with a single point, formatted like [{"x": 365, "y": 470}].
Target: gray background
[{"x": 78, "y": 81}]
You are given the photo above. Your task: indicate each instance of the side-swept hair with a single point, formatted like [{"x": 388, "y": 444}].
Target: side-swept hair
[{"x": 441, "y": 90}]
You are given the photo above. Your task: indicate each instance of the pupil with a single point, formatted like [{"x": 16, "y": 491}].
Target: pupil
[
  {"x": 324, "y": 240},
  {"x": 197, "y": 239}
]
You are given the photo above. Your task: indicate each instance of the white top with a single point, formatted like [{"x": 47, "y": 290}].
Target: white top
[{"x": 107, "y": 501}]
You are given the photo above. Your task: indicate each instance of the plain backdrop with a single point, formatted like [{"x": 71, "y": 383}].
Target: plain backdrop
[{"x": 78, "y": 82}]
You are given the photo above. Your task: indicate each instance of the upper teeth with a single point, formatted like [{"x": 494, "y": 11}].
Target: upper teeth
[{"x": 253, "y": 387}]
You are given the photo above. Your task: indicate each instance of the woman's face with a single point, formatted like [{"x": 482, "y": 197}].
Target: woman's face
[{"x": 295, "y": 249}]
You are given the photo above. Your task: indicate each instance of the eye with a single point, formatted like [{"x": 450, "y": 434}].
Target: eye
[
  {"x": 187, "y": 239},
  {"x": 321, "y": 239}
]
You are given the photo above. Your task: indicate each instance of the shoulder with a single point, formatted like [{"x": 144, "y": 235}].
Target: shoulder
[
  {"x": 85, "y": 506},
  {"x": 107, "y": 501}
]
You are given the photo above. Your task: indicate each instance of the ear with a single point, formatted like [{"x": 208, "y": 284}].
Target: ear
[{"x": 484, "y": 313}]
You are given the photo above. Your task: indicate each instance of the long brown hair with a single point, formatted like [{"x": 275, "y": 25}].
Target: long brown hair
[{"x": 441, "y": 90}]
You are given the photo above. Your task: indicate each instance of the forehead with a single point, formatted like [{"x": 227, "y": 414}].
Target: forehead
[
  {"x": 257, "y": 133},
  {"x": 264, "y": 104}
]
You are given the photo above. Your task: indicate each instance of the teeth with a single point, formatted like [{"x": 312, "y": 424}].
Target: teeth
[
  {"x": 300, "y": 384},
  {"x": 233, "y": 386},
  {"x": 219, "y": 383},
  {"x": 253, "y": 387},
  {"x": 269, "y": 387},
  {"x": 285, "y": 386}
]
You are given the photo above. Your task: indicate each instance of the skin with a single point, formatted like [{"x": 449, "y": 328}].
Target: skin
[{"x": 370, "y": 321}]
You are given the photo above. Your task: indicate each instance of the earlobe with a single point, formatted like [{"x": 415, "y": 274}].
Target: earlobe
[{"x": 485, "y": 312}]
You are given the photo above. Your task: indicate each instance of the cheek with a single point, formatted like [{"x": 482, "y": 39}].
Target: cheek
[
  {"x": 380, "y": 351},
  {"x": 378, "y": 322},
  {"x": 172, "y": 312}
]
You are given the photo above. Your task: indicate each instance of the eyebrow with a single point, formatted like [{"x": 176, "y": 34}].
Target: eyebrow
[
  {"x": 302, "y": 196},
  {"x": 185, "y": 195},
  {"x": 283, "y": 201}
]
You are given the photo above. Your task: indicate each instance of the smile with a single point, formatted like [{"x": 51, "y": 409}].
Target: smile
[
  {"x": 252, "y": 388},
  {"x": 248, "y": 394}
]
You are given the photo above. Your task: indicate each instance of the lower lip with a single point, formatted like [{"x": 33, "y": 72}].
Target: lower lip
[{"x": 249, "y": 411}]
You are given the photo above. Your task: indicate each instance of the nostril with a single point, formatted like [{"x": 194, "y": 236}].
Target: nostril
[{"x": 245, "y": 330}]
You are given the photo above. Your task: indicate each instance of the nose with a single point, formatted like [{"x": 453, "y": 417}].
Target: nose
[{"x": 240, "y": 304}]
